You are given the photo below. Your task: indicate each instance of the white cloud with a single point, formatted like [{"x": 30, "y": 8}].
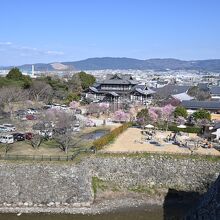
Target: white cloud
[
  {"x": 29, "y": 51},
  {"x": 52, "y": 52},
  {"x": 29, "y": 48},
  {"x": 6, "y": 43}
]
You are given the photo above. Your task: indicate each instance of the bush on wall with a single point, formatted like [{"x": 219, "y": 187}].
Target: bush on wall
[{"x": 106, "y": 139}]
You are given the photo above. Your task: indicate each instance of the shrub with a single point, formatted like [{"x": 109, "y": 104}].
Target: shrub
[
  {"x": 202, "y": 114},
  {"x": 106, "y": 139},
  {"x": 180, "y": 111},
  {"x": 72, "y": 97},
  {"x": 187, "y": 129},
  {"x": 142, "y": 116},
  {"x": 14, "y": 74}
]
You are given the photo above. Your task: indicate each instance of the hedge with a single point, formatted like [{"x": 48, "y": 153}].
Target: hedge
[
  {"x": 106, "y": 139},
  {"x": 187, "y": 129}
]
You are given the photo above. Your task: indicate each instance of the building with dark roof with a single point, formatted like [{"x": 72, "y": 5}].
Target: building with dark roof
[
  {"x": 169, "y": 90},
  {"x": 213, "y": 106},
  {"x": 119, "y": 87},
  {"x": 182, "y": 97},
  {"x": 215, "y": 92}
]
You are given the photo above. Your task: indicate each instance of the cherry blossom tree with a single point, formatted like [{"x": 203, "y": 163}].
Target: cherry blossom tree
[
  {"x": 93, "y": 108},
  {"x": 121, "y": 116},
  {"x": 74, "y": 105},
  {"x": 132, "y": 113},
  {"x": 167, "y": 113},
  {"x": 161, "y": 114},
  {"x": 104, "y": 107},
  {"x": 153, "y": 114},
  {"x": 180, "y": 120},
  {"x": 98, "y": 108}
]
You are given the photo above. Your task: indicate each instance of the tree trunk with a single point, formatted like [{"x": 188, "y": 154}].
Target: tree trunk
[{"x": 66, "y": 149}]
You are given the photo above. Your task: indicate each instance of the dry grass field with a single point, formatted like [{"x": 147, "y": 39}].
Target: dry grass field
[{"x": 133, "y": 141}]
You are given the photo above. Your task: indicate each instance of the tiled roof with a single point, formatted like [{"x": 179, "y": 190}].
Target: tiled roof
[
  {"x": 193, "y": 104},
  {"x": 215, "y": 90},
  {"x": 144, "y": 91},
  {"x": 182, "y": 96},
  {"x": 113, "y": 93},
  {"x": 93, "y": 89},
  {"x": 119, "y": 79},
  {"x": 171, "y": 89},
  {"x": 217, "y": 126}
]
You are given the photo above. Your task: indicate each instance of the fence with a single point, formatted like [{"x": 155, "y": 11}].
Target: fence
[{"x": 44, "y": 157}]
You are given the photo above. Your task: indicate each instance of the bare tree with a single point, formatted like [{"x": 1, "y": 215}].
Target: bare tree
[
  {"x": 63, "y": 133},
  {"x": 8, "y": 147},
  {"x": 36, "y": 141},
  {"x": 10, "y": 95},
  {"x": 75, "y": 84},
  {"x": 40, "y": 90},
  {"x": 60, "y": 124}
]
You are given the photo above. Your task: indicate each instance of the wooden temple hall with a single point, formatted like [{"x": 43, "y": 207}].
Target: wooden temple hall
[{"x": 116, "y": 88}]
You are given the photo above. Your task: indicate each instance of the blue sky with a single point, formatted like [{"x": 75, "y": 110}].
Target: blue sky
[{"x": 66, "y": 30}]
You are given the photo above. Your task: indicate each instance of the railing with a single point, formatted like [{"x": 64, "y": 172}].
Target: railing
[{"x": 44, "y": 157}]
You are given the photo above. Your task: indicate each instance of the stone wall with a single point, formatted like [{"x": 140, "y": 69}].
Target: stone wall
[
  {"x": 156, "y": 171},
  {"x": 44, "y": 183},
  {"x": 27, "y": 183}
]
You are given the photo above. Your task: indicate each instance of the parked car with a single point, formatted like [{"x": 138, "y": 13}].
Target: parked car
[
  {"x": 63, "y": 107},
  {"x": 22, "y": 117},
  {"x": 31, "y": 117},
  {"x": 56, "y": 106},
  {"x": 76, "y": 129},
  {"x": 90, "y": 123},
  {"x": 77, "y": 124},
  {"x": 6, "y": 139},
  {"x": 21, "y": 112},
  {"x": 47, "y": 107},
  {"x": 59, "y": 131},
  {"x": 10, "y": 127},
  {"x": 3, "y": 128},
  {"x": 78, "y": 111},
  {"x": 18, "y": 136},
  {"x": 29, "y": 135},
  {"x": 46, "y": 133},
  {"x": 31, "y": 111}
]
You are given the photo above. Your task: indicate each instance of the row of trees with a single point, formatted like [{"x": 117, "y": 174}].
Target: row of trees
[
  {"x": 46, "y": 88},
  {"x": 123, "y": 114},
  {"x": 16, "y": 87},
  {"x": 168, "y": 113}
]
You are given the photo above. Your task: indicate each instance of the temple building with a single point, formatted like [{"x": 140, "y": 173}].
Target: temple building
[{"x": 116, "y": 88}]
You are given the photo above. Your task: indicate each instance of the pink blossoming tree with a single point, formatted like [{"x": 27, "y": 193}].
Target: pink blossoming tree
[
  {"x": 74, "y": 105},
  {"x": 121, "y": 116}
]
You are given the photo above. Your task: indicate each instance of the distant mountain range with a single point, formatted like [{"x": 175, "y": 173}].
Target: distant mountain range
[{"x": 128, "y": 63}]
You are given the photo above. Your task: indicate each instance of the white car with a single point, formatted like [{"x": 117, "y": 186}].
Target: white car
[
  {"x": 46, "y": 133},
  {"x": 64, "y": 107},
  {"x": 9, "y": 127},
  {"x": 3, "y": 128},
  {"x": 56, "y": 106},
  {"x": 76, "y": 129},
  {"x": 31, "y": 111},
  {"x": 7, "y": 139}
]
